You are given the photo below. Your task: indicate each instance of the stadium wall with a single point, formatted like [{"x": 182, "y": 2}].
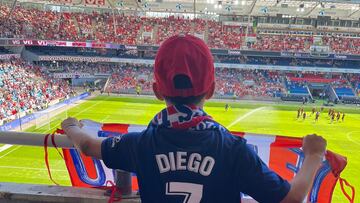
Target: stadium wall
[{"x": 26, "y": 119}]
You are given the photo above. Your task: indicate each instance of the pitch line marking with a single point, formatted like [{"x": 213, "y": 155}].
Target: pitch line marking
[
  {"x": 245, "y": 116},
  {"x": 90, "y": 107},
  {"x": 5, "y": 147},
  {"x": 10, "y": 151},
  {"x": 350, "y": 139}
]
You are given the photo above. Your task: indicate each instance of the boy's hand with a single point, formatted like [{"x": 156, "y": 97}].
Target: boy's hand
[
  {"x": 314, "y": 149},
  {"x": 88, "y": 145},
  {"x": 70, "y": 122},
  {"x": 314, "y": 145}
]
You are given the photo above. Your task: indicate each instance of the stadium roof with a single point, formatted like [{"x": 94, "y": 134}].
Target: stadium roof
[{"x": 342, "y": 9}]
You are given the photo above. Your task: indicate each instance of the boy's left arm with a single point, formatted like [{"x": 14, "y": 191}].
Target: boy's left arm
[
  {"x": 88, "y": 145},
  {"x": 118, "y": 152}
]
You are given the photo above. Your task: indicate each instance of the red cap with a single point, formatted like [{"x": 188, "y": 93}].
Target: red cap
[{"x": 184, "y": 67}]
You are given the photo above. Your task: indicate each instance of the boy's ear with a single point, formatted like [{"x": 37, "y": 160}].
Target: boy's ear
[
  {"x": 157, "y": 93},
  {"x": 211, "y": 91}
]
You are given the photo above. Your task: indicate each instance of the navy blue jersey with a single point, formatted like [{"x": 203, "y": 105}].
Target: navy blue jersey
[{"x": 193, "y": 166}]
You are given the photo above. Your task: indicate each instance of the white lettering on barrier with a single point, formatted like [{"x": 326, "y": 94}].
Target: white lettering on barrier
[
  {"x": 27, "y": 42},
  {"x": 16, "y": 42},
  {"x": 42, "y": 42}
]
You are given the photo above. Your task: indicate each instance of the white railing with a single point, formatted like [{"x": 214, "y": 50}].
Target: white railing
[{"x": 33, "y": 139}]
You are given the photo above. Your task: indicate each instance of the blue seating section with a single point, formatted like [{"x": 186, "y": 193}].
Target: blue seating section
[
  {"x": 344, "y": 91},
  {"x": 296, "y": 88}
]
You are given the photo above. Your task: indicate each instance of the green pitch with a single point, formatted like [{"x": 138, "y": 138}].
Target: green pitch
[{"x": 26, "y": 164}]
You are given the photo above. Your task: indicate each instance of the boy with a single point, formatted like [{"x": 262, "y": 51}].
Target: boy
[{"x": 186, "y": 156}]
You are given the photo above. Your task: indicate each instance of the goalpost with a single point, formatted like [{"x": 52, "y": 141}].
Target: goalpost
[{"x": 50, "y": 118}]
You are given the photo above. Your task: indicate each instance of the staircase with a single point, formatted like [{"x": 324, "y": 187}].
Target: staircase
[
  {"x": 93, "y": 28},
  {"x": 206, "y": 33},
  {"x": 105, "y": 88},
  {"x": 155, "y": 33},
  {"x": 76, "y": 23},
  {"x": 308, "y": 89},
  {"x": 139, "y": 37},
  {"x": 332, "y": 94}
]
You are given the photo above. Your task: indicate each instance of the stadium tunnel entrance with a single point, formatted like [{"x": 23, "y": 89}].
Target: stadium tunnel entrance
[{"x": 318, "y": 90}]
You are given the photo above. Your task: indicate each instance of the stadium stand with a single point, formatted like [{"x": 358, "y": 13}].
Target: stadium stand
[
  {"x": 230, "y": 82},
  {"x": 4, "y": 51},
  {"x": 282, "y": 43},
  {"x": 135, "y": 30},
  {"x": 344, "y": 91},
  {"x": 255, "y": 83},
  {"x": 231, "y": 59},
  {"x": 25, "y": 88}
]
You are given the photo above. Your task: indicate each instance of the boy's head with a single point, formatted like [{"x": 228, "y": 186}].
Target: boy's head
[{"x": 184, "y": 71}]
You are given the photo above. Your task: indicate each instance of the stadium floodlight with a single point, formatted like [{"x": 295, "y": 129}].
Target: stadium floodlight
[
  {"x": 236, "y": 2},
  {"x": 243, "y": 3}
]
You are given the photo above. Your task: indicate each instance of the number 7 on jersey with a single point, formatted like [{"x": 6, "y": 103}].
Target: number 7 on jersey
[{"x": 192, "y": 192}]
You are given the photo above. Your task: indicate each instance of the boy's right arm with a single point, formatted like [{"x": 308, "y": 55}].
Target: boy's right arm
[{"x": 314, "y": 149}]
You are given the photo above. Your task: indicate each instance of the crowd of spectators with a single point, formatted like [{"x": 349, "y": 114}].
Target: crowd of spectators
[
  {"x": 135, "y": 30},
  {"x": 282, "y": 43},
  {"x": 80, "y": 67},
  {"x": 126, "y": 78},
  {"x": 343, "y": 45},
  {"x": 25, "y": 88},
  {"x": 251, "y": 83}
]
